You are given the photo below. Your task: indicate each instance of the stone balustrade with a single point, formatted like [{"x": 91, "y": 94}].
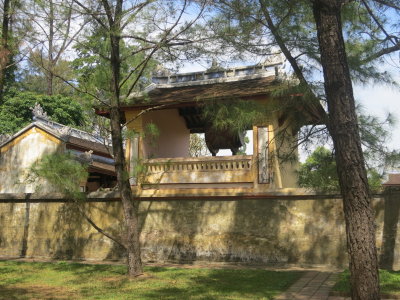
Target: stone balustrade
[
  {"x": 218, "y": 169},
  {"x": 208, "y": 164}
]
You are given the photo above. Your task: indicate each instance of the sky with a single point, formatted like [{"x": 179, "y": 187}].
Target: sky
[{"x": 379, "y": 100}]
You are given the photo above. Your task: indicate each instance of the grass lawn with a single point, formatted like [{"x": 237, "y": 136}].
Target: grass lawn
[
  {"x": 62, "y": 280},
  {"x": 389, "y": 280}
]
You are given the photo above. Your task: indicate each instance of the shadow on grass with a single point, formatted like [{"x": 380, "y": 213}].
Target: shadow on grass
[
  {"x": 110, "y": 282},
  {"x": 156, "y": 269},
  {"x": 177, "y": 283},
  {"x": 80, "y": 269},
  {"x": 212, "y": 284},
  {"x": 13, "y": 293}
]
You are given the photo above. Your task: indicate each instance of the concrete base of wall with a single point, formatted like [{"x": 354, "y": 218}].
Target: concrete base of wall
[{"x": 264, "y": 231}]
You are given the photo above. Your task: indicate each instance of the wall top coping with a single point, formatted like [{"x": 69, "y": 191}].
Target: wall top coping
[{"x": 103, "y": 196}]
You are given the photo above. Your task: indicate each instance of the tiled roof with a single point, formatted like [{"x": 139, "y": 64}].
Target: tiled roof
[
  {"x": 66, "y": 131},
  {"x": 167, "y": 94},
  {"x": 96, "y": 166},
  {"x": 75, "y": 139},
  {"x": 67, "y": 134},
  {"x": 95, "y": 146},
  {"x": 186, "y": 90}
]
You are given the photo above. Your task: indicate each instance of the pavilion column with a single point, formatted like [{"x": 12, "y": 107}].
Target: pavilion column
[
  {"x": 262, "y": 148},
  {"x": 133, "y": 158}
]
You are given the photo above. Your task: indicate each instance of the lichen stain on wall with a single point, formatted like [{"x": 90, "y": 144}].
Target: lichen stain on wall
[{"x": 264, "y": 231}]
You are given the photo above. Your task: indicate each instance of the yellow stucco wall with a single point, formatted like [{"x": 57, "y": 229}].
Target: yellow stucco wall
[
  {"x": 173, "y": 138},
  {"x": 17, "y": 157},
  {"x": 263, "y": 231}
]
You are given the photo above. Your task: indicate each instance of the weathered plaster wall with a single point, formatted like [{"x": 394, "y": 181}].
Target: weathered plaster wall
[
  {"x": 256, "y": 231},
  {"x": 173, "y": 140},
  {"x": 18, "y": 156}
]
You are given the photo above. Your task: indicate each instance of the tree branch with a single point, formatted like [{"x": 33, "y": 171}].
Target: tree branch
[
  {"x": 279, "y": 40},
  {"x": 92, "y": 14},
  {"x": 381, "y": 53},
  {"x": 389, "y": 37},
  {"x": 145, "y": 111},
  {"x": 136, "y": 9},
  {"x": 387, "y": 3},
  {"x": 100, "y": 230},
  {"x": 81, "y": 91}
]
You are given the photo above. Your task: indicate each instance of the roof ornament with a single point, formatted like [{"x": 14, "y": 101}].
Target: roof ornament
[
  {"x": 277, "y": 60},
  {"x": 215, "y": 66},
  {"x": 64, "y": 130},
  {"x": 87, "y": 156},
  {"x": 38, "y": 112},
  {"x": 161, "y": 71},
  {"x": 274, "y": 59},
  {"x": 4, "y": 138}
]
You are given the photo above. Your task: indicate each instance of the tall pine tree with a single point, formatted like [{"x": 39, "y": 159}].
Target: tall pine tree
[
  {"x": 310, "y": 35},
  {"x": 128, "y": 31}
]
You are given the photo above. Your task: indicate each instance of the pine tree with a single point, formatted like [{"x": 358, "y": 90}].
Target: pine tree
[
  {"x": 310, "y": 35},
  {"x": 121, "y": 26}
]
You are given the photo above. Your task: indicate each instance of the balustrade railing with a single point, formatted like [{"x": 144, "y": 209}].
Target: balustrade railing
[
  {"x": 207, "y": 164},
  {"x": 220, "y": 169}
]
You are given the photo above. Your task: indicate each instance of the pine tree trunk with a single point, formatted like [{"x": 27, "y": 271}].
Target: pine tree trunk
[
  {"x": 50, "y": 66},
  {"x": 5, "y": 53},
  {"x": 344, "y": 130},
  {"x": 129, "y": 205},
  {"x": 50, "y": 83}
]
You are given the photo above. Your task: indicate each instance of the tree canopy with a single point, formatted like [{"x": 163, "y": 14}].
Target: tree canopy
[
  {"x": 16, "y": 111},
  {"x": 319, "y": 173}
]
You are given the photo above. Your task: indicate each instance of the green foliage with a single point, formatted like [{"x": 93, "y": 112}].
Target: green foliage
[
  {"x": 93, "y": 70},
  {"x": 84, "y": 281},
  {"x": 320, "y": 174},
  {"x": 63, "y": 172},
  {"x": 374, "y": 180},
  {"x": 242, "y": 150},
  {"x": 319, "y": 171},
  {"x": 55, "y": 26},
  {"x": 244, "y": 30},
  {"x": 197, "y": 146},
  {"x": 16, "y": 112},
  {"x": 9, "y": 52},
  {"x": 91, "y": 65},
  {"x": 139, "y": 170},
  {"x": 235, "y": 115},
  {"x": 34, "y": 77},
  {"x": 130, "y": 134},
  {"x": 151, "y": 131}
]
